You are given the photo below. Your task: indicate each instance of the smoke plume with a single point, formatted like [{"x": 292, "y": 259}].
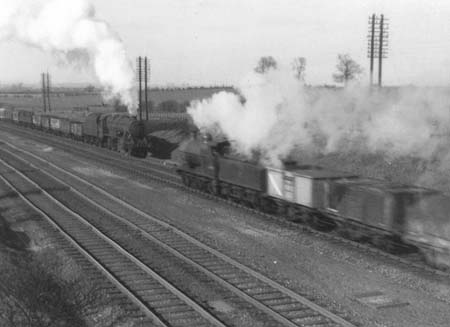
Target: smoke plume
[
  {"x": 71, "y": 30},
  {"x": 279, "y": 114}
]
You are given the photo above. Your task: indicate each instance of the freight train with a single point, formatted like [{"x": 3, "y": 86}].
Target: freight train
[
  {"x": 362, "y": 208},
  {"x": 373, "y": 210},
  {"x": 117, "y": 131}
]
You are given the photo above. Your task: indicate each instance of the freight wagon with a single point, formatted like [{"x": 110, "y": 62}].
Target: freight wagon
[
  {"x": 45, "y": 122},
  {"x": 76, "y": 130},
  {"x": 37, "y": 120},
  {"x": 3, "y": 113},
  {"x": 15, "y": 116},
  {"x": 25, "y": 117},
  {"x": 376, "y": 204}
]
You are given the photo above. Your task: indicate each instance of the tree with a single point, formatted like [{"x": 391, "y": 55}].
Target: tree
[
  {"x": 265, "y": 63},
  {"x": 348, "y": 69},
  {"x": 299, "y": 67}
]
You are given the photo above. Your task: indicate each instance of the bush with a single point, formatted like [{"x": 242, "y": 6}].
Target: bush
[{"x": 46, "y": 290}]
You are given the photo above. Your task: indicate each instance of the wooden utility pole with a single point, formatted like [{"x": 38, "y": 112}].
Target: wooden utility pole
[
  {"x": 44, "y": 92},
  {"x": 139, "y": 71},
  {"x": 380, "y": 52},
  {"x": 377, "y": 45},
  {"x": 48, "y": 93},
  {"x": 146, "y": 87},
  {"x": 371, "y": 45}
]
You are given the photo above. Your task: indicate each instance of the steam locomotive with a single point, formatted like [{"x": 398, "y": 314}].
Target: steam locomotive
[
  {"x": 362, "y": 208},
  {"x": 117, "y": 131}
]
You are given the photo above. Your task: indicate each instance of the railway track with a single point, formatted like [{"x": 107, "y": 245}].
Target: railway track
[
  {"x": 260, "y": 294},
  {"x": 159, "y": 300},
  {"x": 414, "y": 261},
  {"x": 149, "y": 168}
]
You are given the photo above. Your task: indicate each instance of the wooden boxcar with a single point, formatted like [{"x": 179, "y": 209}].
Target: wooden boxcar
[
  {"x": 305, "y": 187},
  {"x": 45, "y": 122},
  {"x": 375, "y": 203},
  {"x": 25, "y": 117},
  {"x": 37, "y": 117},
  {"x": 15, "y": 116},
  {"x": 3, "y": 112},
  {"x": 8, "y": 112},
  {"x": 64, "y": 126},
  {"x": 76, "y": 129}
]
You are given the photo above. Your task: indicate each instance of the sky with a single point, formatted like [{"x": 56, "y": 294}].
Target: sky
[{"x": 216, "y": 42}]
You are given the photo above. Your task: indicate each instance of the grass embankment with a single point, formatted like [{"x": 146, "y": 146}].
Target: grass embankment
[{"x": 40, "y": 286}]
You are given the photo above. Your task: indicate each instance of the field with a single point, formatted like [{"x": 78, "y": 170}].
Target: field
[
  {"x": 62, "y": 101},
  {"x": 184, "y": 95},
  {"x": 59, "y": 102}
]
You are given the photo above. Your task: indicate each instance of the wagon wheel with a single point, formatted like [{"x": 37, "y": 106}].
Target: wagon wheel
[
  {"x": 141, "y": 152},
  {"x": 251, "y": 204},
  {"x": 210, "y": 188},
  {"x": 223, "y": 191},
  {"x": 109, "y": 143},
  {"x": 197, "y": 183},
  {"x": 320, "y": 222},
  {"x": 268, "y": 206},
  {"x": 293, "y": 215}
]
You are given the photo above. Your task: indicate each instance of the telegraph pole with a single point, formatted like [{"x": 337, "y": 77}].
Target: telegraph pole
[
  {"x": 146, "y": 87},
  {"x": 377, "y": 44},
  {"x": 44, "y": 92},
  {"x": 143, "y": 69},
  {"x": 371, "y": 44},
  {"x": 380, "y": 52},
  {"x": 48, "y": 92},
  {"x": 139, "y": 71}
]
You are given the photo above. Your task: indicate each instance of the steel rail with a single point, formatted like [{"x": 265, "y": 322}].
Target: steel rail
[
  {"x": 86, "y": 254},
  {"x": 99, "y": 151},
  {"x": 324, "y": 312},
  {"x": 205, "y": 314}
]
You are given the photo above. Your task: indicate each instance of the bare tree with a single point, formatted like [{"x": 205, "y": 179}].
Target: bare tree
[
  {"x": 265, "y": 63},
  {"x": 348, "y": 69},
  {"x": 299, "y": 67}
]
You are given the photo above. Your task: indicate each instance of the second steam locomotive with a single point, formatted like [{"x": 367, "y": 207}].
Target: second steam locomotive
[{"x": 362, "y": 208}]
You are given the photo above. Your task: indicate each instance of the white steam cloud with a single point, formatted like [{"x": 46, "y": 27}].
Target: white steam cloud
[
  {"x": 70, "y": 30},
  {"x": 280, "y": 114}
]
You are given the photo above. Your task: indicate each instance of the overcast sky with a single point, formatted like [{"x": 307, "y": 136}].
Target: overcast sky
[{"x": 206, "y": 42}]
